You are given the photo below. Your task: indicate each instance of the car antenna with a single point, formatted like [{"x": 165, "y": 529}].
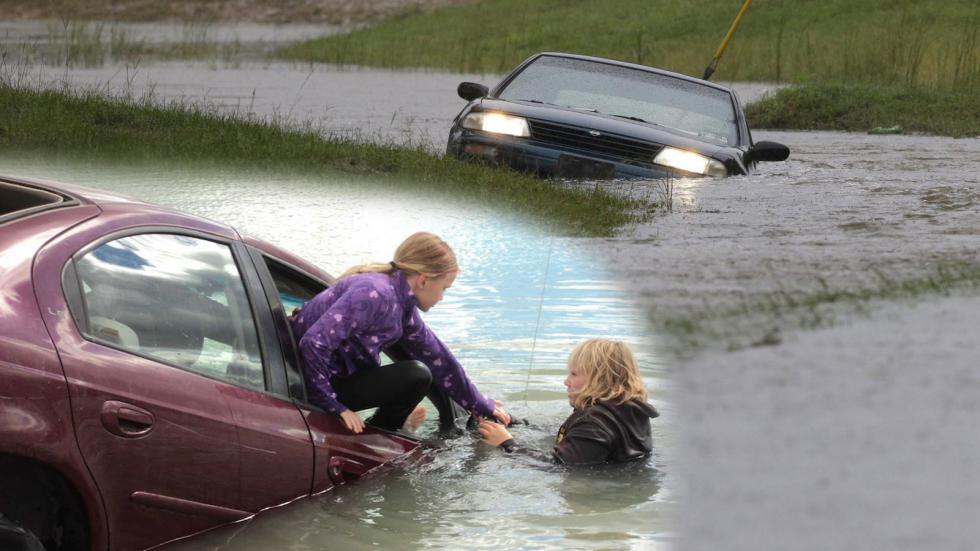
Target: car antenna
[
  {"x": 710, "y": 69},
  {"x": 537, "y": 324}
]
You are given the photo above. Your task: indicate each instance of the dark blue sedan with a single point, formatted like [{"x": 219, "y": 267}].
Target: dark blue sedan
[{"x": 575, "y": 116}]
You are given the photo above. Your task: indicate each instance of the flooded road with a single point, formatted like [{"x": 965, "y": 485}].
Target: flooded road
[
  {"x": 414, "y": 108},
  {"x": 402, "y": 107},
  {"x": 523, "y": 299},
  {"x": 848, "y": 216},
  {"x": 845, "y": 418},
  {"x": 842, "y": 419}
]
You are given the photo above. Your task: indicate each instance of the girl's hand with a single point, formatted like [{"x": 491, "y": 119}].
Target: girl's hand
[
  {"x": 500, "y": 414},
  {"x": 352, "y": 421},
  {"x": 494, "y": 434}
]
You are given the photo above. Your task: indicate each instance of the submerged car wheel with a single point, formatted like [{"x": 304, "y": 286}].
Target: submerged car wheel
[
  {"x": 14, "y": 537},
  {"x": 38, "y": 509}
]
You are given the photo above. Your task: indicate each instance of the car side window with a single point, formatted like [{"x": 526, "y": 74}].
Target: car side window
[
  {"x": 174, "y": 298},
  {"x": 293, "y": 288}
]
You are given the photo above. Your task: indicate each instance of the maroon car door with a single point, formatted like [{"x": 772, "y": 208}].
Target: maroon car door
[
  {"x": 339, "y": 454},
  {"x": 164, "y": 365}
]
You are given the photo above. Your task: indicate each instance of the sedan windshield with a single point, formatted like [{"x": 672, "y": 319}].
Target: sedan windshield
[{"x": 678, "y": 104}]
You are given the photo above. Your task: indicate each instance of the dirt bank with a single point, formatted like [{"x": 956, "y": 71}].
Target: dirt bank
[{"x": 334, "y": 12}]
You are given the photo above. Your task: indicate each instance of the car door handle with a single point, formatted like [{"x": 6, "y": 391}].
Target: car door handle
[
  {"x": 126, "y": 420},
  {"x": 340, "y": 469}
]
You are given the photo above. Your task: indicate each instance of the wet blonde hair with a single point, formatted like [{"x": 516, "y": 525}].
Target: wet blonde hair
[
  {"x": 421, "y": 253},
  {"x": 610, "y": 372}
]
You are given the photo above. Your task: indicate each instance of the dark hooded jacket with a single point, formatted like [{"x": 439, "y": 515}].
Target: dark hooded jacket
[{"x": 606, "y": 432}]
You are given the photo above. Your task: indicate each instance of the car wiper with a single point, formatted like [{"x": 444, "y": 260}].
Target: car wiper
[
  {"x": 559, "y": 105},
  {"x": 637, "y": 119}
]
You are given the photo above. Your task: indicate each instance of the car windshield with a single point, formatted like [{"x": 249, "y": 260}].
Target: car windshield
[{"x": 675, "y": 103}]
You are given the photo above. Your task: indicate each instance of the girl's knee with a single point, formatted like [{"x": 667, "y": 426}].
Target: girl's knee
[{"x": 418, "y": 374}]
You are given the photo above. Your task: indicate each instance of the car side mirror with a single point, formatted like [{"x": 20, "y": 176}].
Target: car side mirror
[
  {"x": 471, "y": 91},
  {"x": 768, "y": 151}
]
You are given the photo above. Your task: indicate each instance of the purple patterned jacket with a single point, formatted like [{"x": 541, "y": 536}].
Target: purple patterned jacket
[{"x": 344, "y": 329}]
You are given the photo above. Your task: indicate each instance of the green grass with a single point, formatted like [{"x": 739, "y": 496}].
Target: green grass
[
  {"x": 91, "y": 124},
  {"x": 761, "y": 320},
  {"x": 893, "y": 42},
  {"x": 860, "y": 108},
  {"x": 858, "y": 64}
]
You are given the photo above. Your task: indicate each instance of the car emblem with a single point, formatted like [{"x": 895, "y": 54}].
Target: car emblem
[{"x": 595, "y": 133}]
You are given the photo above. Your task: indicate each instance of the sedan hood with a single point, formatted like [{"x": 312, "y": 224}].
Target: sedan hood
[{"x": 600, "y": 122}]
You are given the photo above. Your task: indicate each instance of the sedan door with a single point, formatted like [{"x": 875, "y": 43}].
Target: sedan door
[
  {"x": 339, "y": 454},
  {"x": 168, "y": 385}
]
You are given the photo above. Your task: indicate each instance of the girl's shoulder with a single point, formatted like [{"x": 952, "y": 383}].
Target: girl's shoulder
[
  {"x": 609, "y": 414},
  {"x": 374, "y": 284},
  {"x": 589, "y": 415}
]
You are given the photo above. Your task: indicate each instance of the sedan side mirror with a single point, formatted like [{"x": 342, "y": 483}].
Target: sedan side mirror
[
  {"x": 768, "y": 151},
  {"x": 471, "y": 91}
]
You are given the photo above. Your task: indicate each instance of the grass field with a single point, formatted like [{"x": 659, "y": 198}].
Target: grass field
[
  {"x": 933, "y": 44},
  {"x": 921, "y": 57},
  {"x": 860, "y": 108},
  {"x": 87, "y": 123}
]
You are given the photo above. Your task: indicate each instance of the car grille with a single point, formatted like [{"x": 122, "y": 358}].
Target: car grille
[{"x": 578, "y": 138}]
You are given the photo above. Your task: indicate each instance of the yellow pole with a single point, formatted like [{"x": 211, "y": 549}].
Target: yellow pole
[{"x": 724, "y": 43}]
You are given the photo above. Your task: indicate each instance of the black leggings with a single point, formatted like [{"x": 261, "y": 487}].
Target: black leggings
[{"x": 395, "y": 389}]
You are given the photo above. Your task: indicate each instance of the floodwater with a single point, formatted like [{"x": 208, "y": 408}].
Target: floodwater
[
  {"x": 766, "y": 438},
  {"x": 47, "y": 33},
  {"x": 847, "y": 213},
  {"x": 858, "y": 433},
  {"x": 523, "y": 299},
  {"x": 400, "y": 107}
]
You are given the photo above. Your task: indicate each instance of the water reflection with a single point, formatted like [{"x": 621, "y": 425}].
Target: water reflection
[{"x": 517, "y": 281}]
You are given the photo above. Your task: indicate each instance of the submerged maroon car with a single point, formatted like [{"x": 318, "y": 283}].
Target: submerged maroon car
[{"x": 149, "y": 384}]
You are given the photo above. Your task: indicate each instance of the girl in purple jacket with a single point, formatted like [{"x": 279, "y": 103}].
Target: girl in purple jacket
[{"x": 343, "y": 330}]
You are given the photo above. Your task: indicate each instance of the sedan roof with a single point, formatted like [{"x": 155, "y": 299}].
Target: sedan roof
[{"x": 112, "y": 205}]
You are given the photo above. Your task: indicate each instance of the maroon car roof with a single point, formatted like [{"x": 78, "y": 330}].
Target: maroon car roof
[{"x": 115, "y": 205}]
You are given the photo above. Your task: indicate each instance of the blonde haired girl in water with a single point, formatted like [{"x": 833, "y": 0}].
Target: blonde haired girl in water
[
  {"x": 342, "y": 331},
  {"x": 611, "y": 418}
]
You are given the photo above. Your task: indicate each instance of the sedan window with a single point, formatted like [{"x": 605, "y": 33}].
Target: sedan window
[
  {"x": 175, "y": 298},
  {"x": 294, "y": 288},
  {"x": 675, "y": 103}
]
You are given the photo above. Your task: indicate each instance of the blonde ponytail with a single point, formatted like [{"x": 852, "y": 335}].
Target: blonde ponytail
[
  {"x": 373, "y": 267},
  {"x": 420, "y": 253}
]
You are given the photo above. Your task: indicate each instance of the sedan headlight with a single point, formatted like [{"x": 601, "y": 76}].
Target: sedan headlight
[
  {"x": 498, "y": 123},
  {"x": 690, "y": 161}
]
